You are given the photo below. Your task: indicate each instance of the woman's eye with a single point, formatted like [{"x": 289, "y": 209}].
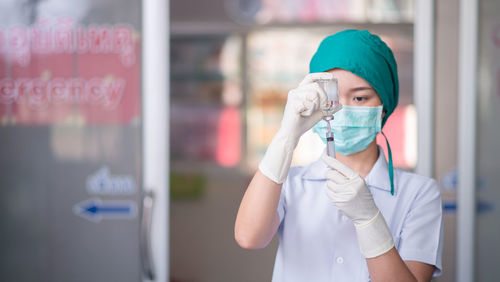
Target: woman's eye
[{"x": 359, "y": 99}]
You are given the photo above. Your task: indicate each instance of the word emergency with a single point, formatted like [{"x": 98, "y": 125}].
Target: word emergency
[{"x": 38, "y": 93}]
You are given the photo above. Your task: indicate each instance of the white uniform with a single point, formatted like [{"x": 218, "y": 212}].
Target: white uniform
[{"x": 318, "y": 243}]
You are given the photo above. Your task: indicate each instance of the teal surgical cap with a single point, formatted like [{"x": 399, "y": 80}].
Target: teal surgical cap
[{"x": 365, "y": 55}]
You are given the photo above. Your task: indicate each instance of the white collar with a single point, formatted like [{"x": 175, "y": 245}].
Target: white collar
[{"x": 378, "y": 177}]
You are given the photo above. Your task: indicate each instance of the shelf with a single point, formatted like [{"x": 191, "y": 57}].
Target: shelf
[{"x": 200, "y": 28}]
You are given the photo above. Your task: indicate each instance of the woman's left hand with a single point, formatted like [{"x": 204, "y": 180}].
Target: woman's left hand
[{"x": 349, "y": 193}]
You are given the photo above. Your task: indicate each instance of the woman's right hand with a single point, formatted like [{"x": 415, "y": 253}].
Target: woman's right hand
[
  {"x": 303, "y": 106},
  {"x": 302, "y": 112}
]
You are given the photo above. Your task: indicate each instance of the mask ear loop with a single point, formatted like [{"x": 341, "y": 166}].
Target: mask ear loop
[{"x": 391, "y": 168}]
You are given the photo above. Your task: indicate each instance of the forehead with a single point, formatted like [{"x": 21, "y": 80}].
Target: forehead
[{"x": 349, "y": 79}]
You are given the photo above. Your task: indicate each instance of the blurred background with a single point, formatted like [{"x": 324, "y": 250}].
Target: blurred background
[{"x": 74, "y": 203}]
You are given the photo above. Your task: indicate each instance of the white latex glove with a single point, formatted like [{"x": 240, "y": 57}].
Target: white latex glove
[
  {"x": 302, "y": 112},
  {"x": 349, "y": 193}
]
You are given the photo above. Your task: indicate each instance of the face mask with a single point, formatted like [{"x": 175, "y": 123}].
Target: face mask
[{"x": 354, "y": 128}]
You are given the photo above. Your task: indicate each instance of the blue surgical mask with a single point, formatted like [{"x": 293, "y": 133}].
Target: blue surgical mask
[{"x": 354, "y": 128}]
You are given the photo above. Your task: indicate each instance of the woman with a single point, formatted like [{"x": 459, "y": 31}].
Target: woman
[{"x": 353, "y": 217}]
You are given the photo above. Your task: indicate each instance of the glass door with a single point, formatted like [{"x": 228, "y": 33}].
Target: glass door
[
  {"x": 478, "y": 155},
  {"x": 70, "y": 129},
  {"x": 487, "y": 230}
]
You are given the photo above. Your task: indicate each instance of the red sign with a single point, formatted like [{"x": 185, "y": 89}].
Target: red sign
[{"x": 56, "y": 71}]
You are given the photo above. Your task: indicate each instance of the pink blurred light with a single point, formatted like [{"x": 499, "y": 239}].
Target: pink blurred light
[
  {"x": 229, "y": 137},
  {"x": 394, "y": 129}
]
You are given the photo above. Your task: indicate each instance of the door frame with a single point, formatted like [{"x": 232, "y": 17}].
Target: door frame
[
  {"x": 466, "y": 154},
  {"x": 156, "y": 129},
  {"x": 423, "y": 84}
]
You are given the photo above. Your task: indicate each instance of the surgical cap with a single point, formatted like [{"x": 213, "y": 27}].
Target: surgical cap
[{"x": 365, "y": 55}]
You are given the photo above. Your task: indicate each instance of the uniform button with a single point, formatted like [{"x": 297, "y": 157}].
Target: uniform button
[{"x": 340, "y": 260}]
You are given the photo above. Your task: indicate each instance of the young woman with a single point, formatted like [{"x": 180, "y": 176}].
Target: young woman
[{"x": 353, "y": 217}]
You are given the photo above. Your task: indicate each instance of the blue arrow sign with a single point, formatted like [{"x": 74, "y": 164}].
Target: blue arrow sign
[{"x": 96, "y": 210}]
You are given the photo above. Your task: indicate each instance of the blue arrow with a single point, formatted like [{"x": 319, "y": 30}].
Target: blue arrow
[{"x": 95, "y": 209}]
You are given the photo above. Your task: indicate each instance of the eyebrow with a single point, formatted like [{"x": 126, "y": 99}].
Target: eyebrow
[{"x": 360, "y": 88}]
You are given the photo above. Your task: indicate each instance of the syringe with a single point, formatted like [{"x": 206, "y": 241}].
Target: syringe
[
  {"x": 330, "y": 141},
  {"x": 330, "y": 86}
]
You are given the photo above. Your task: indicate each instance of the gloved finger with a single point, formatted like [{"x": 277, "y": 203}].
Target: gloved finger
[
  {"x": 315, "y": 76},
  {"x": 321, "y": 95},
  {"x": 309, "y": 108},
  {"x": 294, "y": 100},
  {"x": 340, "y": 167},
  {"x": 298, "y": 107},
  {"x": 335, "y": 176},
  {"x": 306, "y": 99},
  {"x": 300, "y": 93},
  {"x": 311, "y": 92},
  {"x": 344, "y": 189},
  {"x": 337, "y": 197},
  {"x": 333, "y": 197},
  {"x": 317, "y": 93}
]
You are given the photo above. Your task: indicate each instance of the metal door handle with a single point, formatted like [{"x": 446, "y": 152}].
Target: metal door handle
[{"x": 145, "y": 235}]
